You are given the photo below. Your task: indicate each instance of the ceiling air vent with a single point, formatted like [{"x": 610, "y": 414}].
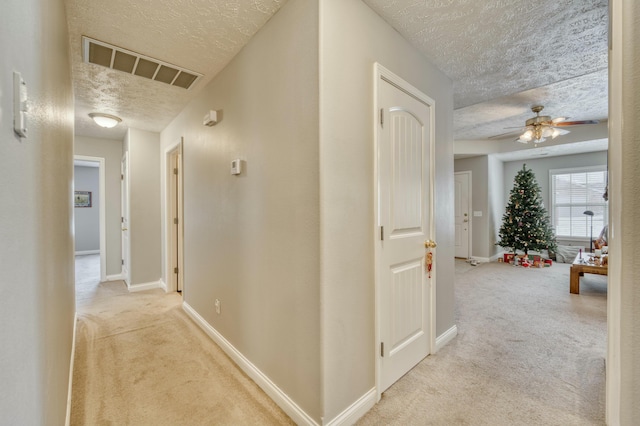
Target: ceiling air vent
[{"x": 117, "y": 58}]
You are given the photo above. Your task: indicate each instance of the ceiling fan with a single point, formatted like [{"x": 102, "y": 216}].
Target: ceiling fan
[{"x": 537, "y": 129}]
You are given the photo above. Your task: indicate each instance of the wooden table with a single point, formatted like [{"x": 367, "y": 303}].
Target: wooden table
[{"x": 582, "y": 266}]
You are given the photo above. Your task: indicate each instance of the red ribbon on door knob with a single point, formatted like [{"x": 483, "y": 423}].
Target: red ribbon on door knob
[{"x": 428, "y": 259}]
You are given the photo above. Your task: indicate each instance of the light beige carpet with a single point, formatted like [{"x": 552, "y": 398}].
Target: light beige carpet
[
  {"x": 141, "y": 361},
  {"x": 527, "y": 353}
]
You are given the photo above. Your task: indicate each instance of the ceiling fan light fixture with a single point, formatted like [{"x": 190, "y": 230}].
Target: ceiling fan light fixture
[
  {"x": 547, "y": 132},
  {"x": 526, "y": 136},
  {"x": 105, "y": 120}
]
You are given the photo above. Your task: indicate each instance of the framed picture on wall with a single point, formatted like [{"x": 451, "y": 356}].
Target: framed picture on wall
[{"x": 82, "y": 199}]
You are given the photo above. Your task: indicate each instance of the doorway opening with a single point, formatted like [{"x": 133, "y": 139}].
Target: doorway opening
[
  {"x": 174, "y": 229},
  {"x": 89, "y": 217}
]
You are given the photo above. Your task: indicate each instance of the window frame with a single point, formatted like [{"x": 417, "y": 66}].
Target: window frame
[{"x": 552, "y": 198}]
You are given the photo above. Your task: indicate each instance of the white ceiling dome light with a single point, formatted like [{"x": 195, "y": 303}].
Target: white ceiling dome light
[{"x": 105, "y": 120}]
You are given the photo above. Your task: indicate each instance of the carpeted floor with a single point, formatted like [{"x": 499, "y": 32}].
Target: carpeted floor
[
  {"x": 527, "y": 353},
  {"x": 141, "y": 361}
]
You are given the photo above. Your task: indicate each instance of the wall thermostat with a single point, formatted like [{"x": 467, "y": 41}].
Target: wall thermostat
[{"x": 236, "y": 166}]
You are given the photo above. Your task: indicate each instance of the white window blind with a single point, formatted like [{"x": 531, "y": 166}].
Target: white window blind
[{"x": 574, "y": 191}]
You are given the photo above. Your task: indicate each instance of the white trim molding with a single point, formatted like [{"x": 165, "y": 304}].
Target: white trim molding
[
  {"x": 292, "y": 409},
  {"x": 356, "y": 410},
  {"x": 67, "y": 421},
  {"x": 145, "y": 286},
  {"x": 118, "y": 277},
  {"x": 85, "y": 252},
  {"x": 446, "y": 337}
]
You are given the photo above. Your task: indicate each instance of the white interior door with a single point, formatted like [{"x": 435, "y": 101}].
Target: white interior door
[
  {"x": 124, "y": 184},
  {"x": 404, "y": 290},
  {"x": 463, "y": 218}
]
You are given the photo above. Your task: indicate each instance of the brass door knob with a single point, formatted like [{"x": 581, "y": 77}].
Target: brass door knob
[{"x": 430, "y": 244}]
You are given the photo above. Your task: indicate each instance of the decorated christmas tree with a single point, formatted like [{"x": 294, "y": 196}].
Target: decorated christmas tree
[{"x": 525, "y": 224}]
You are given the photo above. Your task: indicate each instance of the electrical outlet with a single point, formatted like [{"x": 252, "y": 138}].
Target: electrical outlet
[{"x": 217, "y": 307}]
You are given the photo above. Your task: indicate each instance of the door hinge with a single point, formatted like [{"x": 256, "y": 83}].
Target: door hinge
[
  {"x": 381, "y": 117},
  {"x": 122, "y": 262},
  {"x": 121, "y": 219},
  {"x": 382, "y": 349},
  {"x": 382, "y": 233},
  {"x": 121, "y": 177},
  {"x": 175, "y": 171},
  {"x": 175, "y": 220},
  {"x": 175, "y": 270}
]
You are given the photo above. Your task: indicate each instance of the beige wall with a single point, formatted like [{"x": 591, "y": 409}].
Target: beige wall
[
  {"x": 252, "y": 241},
  {"x": 352, "y": 39},
  {"x": 36, "y": 235},
  {"x": 623, "y": 369},
  {"x": 293, "y": 235},
  {"x": 144, "y": 206},
  {"x": 111, "y": 151}
]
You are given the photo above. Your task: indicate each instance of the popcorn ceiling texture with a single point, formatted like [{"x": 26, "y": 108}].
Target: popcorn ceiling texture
[
  {"x": 496, "y": 48},
  {"x": 579, "y": 98},
  {"x": 200, "y": 35},
  {"x": 505, "y": 56}
]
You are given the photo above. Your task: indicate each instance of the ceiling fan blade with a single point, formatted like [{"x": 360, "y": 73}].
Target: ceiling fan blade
[
  {"x": 561, "y": 131},
  {"x": 575, "y": 123},
  {"x": 511, "y": 132},
  {"x": 559, "y": 120}
]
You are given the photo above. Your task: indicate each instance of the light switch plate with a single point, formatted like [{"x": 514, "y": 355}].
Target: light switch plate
[{"x": 19, "y": 105}]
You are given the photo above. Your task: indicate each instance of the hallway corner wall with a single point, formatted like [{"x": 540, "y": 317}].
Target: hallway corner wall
[
  {"x": 353, "y": 37},
  {"x": 144, "y": 206},
  {"x": 251, "y": 240},
  {"x": 36, "y": 219}
]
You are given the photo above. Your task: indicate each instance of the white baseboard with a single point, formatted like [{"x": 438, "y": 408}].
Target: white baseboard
[
  {"x": 118, "y": 277},
  {"x": 497, "y": 256},
  {"x": 163, "y": 286},
  {"x": 488, "y": 259},
  {"x": 67, "y": 421},
  {"x": 296, "y": 413},
  {"x": 82, "y": 253},
  {"x": 144, "y": 286},
  {"x": 356, "y": 410},
  {"x": 446, "y": 337}
]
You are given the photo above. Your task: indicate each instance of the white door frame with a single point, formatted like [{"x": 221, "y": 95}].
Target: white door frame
[
  {"x": 102, "y": 211},
  {"x": 381, "y": 73},
  {"x": 470, "y": 204},
  {"x": 169, "y": 238},
  {"x": 125, "y": 211}
]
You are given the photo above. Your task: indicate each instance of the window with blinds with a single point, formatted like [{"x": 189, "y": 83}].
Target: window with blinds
[{"x": 574, "y": 191}]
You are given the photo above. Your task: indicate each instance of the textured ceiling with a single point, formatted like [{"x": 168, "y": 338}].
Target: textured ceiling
[
  {"x": 201, "y": 35},
  {"x": 503, "y": 56}
]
